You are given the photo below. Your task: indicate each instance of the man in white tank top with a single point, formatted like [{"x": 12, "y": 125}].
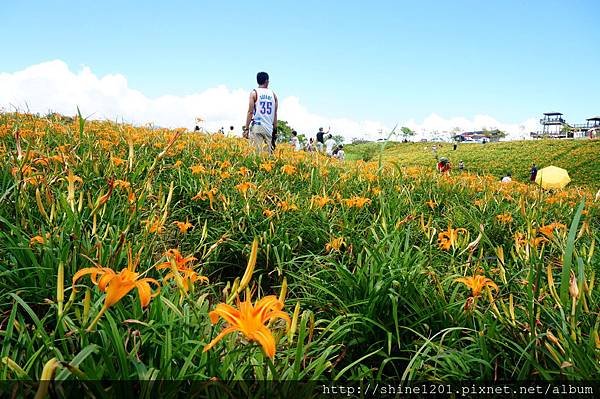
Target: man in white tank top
[{"x": 261, "y": 122}]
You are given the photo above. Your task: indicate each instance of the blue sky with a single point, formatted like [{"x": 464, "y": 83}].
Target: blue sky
[{"x": 383, "y": 61}]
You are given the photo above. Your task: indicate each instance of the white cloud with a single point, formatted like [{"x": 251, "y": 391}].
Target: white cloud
[{"x": 52, "y": 86}]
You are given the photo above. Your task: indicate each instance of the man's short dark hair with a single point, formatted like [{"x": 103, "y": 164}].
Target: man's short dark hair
[{"x": 262, "y": 78}]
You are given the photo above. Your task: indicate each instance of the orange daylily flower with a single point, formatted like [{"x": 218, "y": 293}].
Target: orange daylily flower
[
  {"x": 36, "y": 240},
  {"x": 370, "y": 176},
  {"x": 477, "y": 283},
  {"x": 244, "y": 187},
  {"x": 225, "y": 164},
  {"x": 319, "y": 201},
  {"x": 197, "y": 169},
  {"x": 175, "y": 255},
  {"x": 548, "y": 230},
  {"x": 288, "y": 169},
  {"x": 117, "y": 285},
  {"x": 155, "y": 225},
  {"x": 26, "y": 170},
  {"x": 431, "y": 203},
  {"x": 505, "y": 218},
  {"x": 267, "y": 166},
  {"x": 286, "y": 206},
  {"x": 122, "y": 184},
  {"x": 448, "y": 238},
  {"x": 183, "y": 226},
  {"x": 250, "y": 320},
  {"x": 268, "y": 213},
  {"x": 335, "y": 244},
  {"x": 522, "y": 241},
  {"x": 244, "y": 171},
  {"x": 357, "y": 202},
  {"x": 208, "y": 194},
  {"x": 187, "y": 274},
  {"x": 117, "y": 161},
  {"x": 111, "y": 185}
]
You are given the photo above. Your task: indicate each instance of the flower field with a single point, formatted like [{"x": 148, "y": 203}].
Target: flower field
[
  {"x": 131, "y": 253},
  {"x": 580, "y": 157}
]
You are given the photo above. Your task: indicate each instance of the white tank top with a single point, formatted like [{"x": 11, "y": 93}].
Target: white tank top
[{"x": 264, "y": 108}]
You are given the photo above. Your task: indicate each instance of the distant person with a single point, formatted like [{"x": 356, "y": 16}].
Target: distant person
[
  {"x": 507, "y": 178},
  {"x": 197, "y": 128},
  {"x": 443, "y": 166},
  {"x": 231, "y": 131},
  {"x": 294, "y": 140},
  {"x": 454, "y": 146},
  {"x": 262, "y": 116},
  {"x": 461, "y": 165},
  {"x": 222, "y": 130},
  {"x": 321, "y": 139},
  {"x": 329, "y": 145},
  {"x": 339, "y": 152},
  {"x": 533, "y": 173},
  {"x": 310, "y": 146}
]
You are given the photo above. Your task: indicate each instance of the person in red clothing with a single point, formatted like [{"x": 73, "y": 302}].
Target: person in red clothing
[{"x": 443, "y": 165}]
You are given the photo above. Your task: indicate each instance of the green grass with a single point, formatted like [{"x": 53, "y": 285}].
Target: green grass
[
  {"x": 580, "y": 157},
  {"x": 386, "y": 305}
]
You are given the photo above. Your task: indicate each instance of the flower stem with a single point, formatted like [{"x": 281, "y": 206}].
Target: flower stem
[{"x": 95, "y": 321}]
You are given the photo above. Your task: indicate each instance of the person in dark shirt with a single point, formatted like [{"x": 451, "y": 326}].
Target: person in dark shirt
[
  {"x": 321, "y": 139},
  {"x": 533, "y": 173}
]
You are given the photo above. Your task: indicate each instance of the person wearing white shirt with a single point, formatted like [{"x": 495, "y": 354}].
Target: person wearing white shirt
[
  {"x": 329, "y": 144},
  {"x": 295, "y": 141},
  {"x": 339, "y": 152},
  {"x": 506, "y": 179},
  {"x": 261, "y": 120}
]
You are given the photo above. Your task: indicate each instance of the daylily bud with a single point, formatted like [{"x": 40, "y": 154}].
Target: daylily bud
[
  {"x": 573, "y": 288},
  {"x": 87, "y": 299},
  {"x": 47, "y": 376},
  {"x": 551, "y": 337},
  {"x": 294, "y": 323},
  {"x": 38, "y": 200},
  {"x": 283, "y": 291},
  {"x": 250, "y": 268},
  {"x": 14, "y": 367},
  {"x": 60, "y": 287}
]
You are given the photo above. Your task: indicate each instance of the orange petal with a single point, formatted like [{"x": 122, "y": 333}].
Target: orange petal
[
  {"x": 144, "y": 291},
  {"x": 105, "y": 280},
  {"x": 219, "y": 337},
  {"x": 117, "y": 290},
  {"x": 230, "y": 314},
  {"x": 282, "y": 315},
  {"x": 88, "y": 270},
  {"x": 164, "y": 265},
  {"x": 263, "y": 336}
]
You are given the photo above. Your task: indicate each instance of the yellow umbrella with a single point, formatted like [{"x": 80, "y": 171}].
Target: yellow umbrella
[{"x": 552, "y": 177}]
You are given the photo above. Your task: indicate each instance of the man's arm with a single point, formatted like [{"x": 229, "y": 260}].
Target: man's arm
[{"x": 251, "y": 103}]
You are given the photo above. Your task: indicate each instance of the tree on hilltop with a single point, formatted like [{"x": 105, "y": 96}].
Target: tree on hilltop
[
  {"x": 493, "y": 133},
  {"x": 406, "y": 132},
  {"x": 284, "y": 131}
]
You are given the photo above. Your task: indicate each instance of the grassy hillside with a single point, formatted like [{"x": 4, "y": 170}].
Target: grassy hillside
[
  {"x": 126, "y": 253},
  {"x": 580, "y": 157}
]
